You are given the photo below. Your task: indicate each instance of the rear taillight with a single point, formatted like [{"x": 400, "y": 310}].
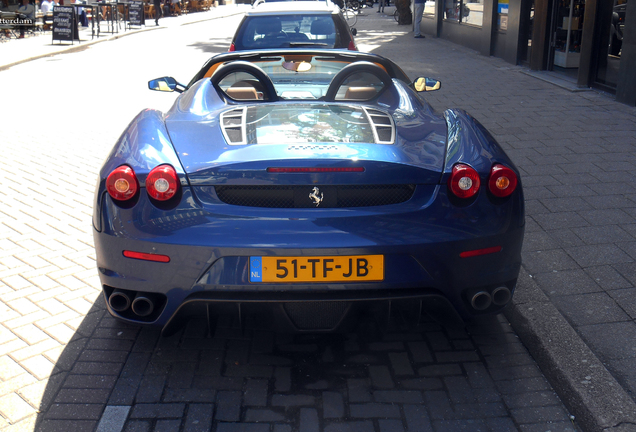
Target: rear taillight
[
  {"x": 122, "y": 183},
  {"x": 232, "y": 47},
  {"x": 162, "y": 183},
  {"x": 464, "y": 181},
  {"x": 503, "y": 181},
  {"x": 352, "y": 46}
]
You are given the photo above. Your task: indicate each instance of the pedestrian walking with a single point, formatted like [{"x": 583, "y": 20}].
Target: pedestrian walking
[
  {"x": 381, "y": 5},
  {"x": 157, "y": 4},
  {"x": 28, "y": 10},
  {"x": 418, "y": 10}
]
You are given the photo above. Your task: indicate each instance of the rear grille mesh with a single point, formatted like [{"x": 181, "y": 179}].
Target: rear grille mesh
[{"x": 299, "y": 196}]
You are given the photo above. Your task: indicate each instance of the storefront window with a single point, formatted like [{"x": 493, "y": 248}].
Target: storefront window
[
  {"x": 451, "y": 9},
  {"x": 465, "y": 11},
  {"x": 429, "y": 8},
  {"x": 473, "y": 12},
  {"x": 568, "y": 33},
  {"x": 612, "y": 46}
]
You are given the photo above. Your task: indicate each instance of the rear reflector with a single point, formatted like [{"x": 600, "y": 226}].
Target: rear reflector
[
  {"x": 315, "y": 170},
  {"x": 478, "y": 252},
  {"x": 147, "y": 256}
]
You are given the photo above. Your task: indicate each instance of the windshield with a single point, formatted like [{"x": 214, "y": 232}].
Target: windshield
[{"x": 288, "y": 31}]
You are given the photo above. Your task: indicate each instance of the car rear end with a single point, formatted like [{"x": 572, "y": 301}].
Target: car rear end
[
  {"x": 302, "y": 27},
  {"x": 309, "y": 230}
]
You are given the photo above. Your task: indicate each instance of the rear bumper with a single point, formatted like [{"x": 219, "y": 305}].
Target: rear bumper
[
  {"x": 209, "y": 256},
  {"x": 440, "y": 281},
  {"x": 309, "y": 312}
]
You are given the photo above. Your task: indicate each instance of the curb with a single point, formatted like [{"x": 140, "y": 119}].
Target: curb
[
  {"x": 586, "y": 387},
  {"x": 84, "y": 45}
]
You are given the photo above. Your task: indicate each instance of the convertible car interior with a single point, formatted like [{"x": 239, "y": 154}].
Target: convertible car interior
[{"x": 295, "y": 78}]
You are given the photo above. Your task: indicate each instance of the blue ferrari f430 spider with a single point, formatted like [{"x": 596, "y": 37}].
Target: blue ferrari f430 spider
[{"x": 309, "y": 184}]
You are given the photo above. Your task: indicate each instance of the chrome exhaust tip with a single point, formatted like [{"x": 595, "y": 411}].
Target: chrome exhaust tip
[
  {"x": 119, "y": 301},
  {"x": 142, "y": 305},
  {"x": 501, "y": 296},
  {"x": 481, "y": 300}
]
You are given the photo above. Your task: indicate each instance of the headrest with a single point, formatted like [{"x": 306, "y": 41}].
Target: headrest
[
  {"x": 268, "y": 26},
  {"x": 242, "y": 93},
  {"x": 360, "y": 93},
  {"x": 322, "y": 27}
]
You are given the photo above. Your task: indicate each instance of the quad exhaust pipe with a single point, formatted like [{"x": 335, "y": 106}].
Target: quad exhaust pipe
[
  {"x": 501, "y": 296},
  {"x": 483, "y": 299},
  {"x": 142, "y": 304},
  {"x": 119, "y": 301}
]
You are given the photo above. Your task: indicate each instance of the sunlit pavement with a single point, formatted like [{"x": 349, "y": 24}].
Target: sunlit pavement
[{"x": 65, "y": 364}]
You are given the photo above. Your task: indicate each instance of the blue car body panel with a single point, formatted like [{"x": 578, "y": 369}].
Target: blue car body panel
[{"x": 210, "y": 242}]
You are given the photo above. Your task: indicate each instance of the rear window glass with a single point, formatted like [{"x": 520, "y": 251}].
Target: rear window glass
[{"x": 288, "y": 31}]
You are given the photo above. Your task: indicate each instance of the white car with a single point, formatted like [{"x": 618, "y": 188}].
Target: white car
[{"x": 299, "y": 24}]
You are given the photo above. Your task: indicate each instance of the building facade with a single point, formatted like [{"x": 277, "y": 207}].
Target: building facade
[{"x": 590, "y": 42}]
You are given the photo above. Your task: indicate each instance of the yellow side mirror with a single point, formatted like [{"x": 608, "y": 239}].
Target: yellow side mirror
[{"x": 422, "y": 84}]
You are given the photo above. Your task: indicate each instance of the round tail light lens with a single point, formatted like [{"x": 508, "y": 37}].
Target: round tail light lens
[
  {"x": 122, "y": 183},
  {"x": 503, "y": 181},
  {"x": 464, "y": 181},
  {"x": 162, "y": 183}
]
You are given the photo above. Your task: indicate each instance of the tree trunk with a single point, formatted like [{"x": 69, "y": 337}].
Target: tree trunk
[{"x": 404, "y": 11}]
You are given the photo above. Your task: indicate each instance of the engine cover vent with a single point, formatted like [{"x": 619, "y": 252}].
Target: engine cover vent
[
  {"x": 233, "y": 126},
  {"x": 383, "y": 126}
]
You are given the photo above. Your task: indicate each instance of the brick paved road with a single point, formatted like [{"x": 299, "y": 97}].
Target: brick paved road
[
  {"x": 65, "y": 364},
  {"x": 576, "y": 152}
]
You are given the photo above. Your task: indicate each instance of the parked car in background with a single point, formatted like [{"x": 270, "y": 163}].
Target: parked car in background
[
  {"x": 299, "y": 24},
  {"x": 309, "y": 184}
]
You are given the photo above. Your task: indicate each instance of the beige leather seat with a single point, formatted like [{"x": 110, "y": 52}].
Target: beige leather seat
[
  {"x": 242, "y": 93},
  {"x": 360, "y": 93}
]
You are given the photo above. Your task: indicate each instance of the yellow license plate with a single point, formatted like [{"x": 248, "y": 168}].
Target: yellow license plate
[{"x": 355, "y": 268}]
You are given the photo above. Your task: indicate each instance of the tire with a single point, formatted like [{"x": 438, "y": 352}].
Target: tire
[
  {"x": 350, "y": 16},
  {"x": 396, "y": 15}
]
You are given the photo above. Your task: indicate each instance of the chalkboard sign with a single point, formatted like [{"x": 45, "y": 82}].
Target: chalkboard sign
[
  {"x": 64, "y": 23},
  {"x": 136, "y": 13}
]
